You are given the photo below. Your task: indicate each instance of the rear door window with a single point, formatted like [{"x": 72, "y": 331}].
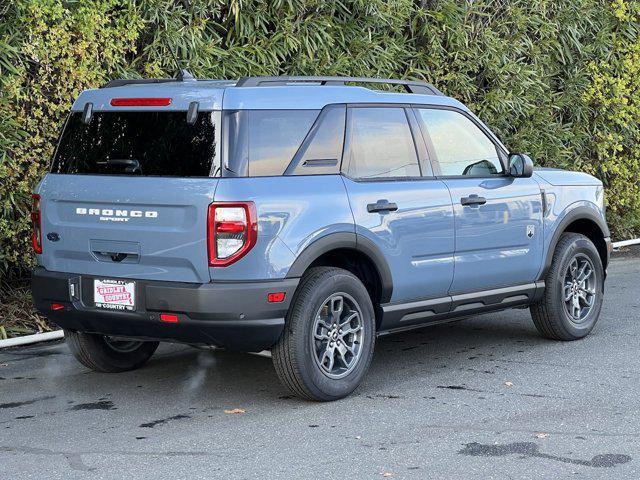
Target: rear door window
[
  {"x": 381, "y": 144},
  {"x": 137, "y": 143},
  {"x": 263, "y": 142}
]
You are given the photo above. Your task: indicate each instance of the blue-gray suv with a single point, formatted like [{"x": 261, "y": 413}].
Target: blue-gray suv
[{"x": 304, "y": 215}]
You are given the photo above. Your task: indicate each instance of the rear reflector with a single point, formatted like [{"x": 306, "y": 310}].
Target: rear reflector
[
  {"x": 168, "y": 318},
  {"x": 275, "y": 297},
  {"x": 140, "y": 102},
  {"x": 57, "y": 306}
]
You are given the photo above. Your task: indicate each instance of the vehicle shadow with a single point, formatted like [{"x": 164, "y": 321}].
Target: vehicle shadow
[
  {"x": 186, "y": 377},
  {"x": 219, "y": 375}
]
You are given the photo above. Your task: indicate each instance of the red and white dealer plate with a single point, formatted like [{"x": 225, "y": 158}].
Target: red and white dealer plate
[{"x": 114, "y": 294}]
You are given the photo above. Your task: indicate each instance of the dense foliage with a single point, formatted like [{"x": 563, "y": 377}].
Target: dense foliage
[{"x": 559, "y": 79}]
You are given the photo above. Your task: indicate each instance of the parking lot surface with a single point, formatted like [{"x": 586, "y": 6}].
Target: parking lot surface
[{"x": 481, "y": 398}]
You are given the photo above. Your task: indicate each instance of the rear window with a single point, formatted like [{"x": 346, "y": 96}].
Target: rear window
[
  {"x": 263, "y": 142},
  {"x": 137, "y": 143}
]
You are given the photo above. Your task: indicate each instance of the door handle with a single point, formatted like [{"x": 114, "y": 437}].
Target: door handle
[
  {"x": 473, "y": 199},
  {"x": 382, "y": 206}
]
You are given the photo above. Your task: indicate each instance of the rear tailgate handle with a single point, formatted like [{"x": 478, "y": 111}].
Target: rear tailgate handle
[
  {"x": 115, "y": 251},
  {"x": 472, "y": 200},
  {"x": 382, "y": 206},
  {"x": 117, "y": 257}
]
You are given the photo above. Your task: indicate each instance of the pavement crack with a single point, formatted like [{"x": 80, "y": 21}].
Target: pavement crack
[
  {"x": 74, "y": 459},
  {"x": 75, "y": 455},
  {"x": 163, "y": 420}
]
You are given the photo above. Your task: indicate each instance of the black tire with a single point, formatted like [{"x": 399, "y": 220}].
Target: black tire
[
  {"x": 101, "y": 354},
  {"x": 294, "y": 356},
  {"x": 551, "y": 314}
]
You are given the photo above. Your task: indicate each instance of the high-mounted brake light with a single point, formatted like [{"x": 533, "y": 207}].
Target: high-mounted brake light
[
  {"x": 232, "y": 230},
  {"x": 36, "y": 224},
  {"x": 140, "y": 102}
]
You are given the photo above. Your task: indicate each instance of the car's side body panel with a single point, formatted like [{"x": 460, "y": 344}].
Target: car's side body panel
[
  {"x": 573, "y": 196},
  {"x": 417, "y": 239},
  {"x": 500, "y": 243},
  {"x": 293, "y": 213}
]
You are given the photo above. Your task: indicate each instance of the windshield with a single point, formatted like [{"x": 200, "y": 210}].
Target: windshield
[{"x": 137, "y": 143}]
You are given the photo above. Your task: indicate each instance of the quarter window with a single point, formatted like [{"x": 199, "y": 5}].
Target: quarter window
[
  {"x": 460, "y": 146},
  {"x": 381, "y": 144},
  {"x": 262, "y": 142},
  {"x": 321, "y": 151}
]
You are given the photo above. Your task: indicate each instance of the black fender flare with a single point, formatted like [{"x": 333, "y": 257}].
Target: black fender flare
[
  {"x": 334, "y": 241},
  {"x": 578, "y": 213}
]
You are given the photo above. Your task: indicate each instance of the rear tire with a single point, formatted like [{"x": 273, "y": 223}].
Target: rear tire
[
  {"x": 103, "y": 354},
  {"x": 574, "y": 289},
  {"x": 328, "y": 340}
]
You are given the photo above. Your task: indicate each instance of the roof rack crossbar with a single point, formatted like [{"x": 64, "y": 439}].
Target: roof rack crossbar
[{"x": 411, "y": 86}]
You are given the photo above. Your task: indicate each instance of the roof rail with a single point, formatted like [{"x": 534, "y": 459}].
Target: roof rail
[
  {"x": 183, "y": 75},
  {"x": 411, "y": 86}
]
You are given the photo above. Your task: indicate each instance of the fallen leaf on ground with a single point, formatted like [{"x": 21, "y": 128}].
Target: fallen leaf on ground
[
  {"x": 542, "y": 435},
  {"x": 235, "y": 410},
  {"x": 509, "y": 384},
  {"x": 386, "y": 474}
]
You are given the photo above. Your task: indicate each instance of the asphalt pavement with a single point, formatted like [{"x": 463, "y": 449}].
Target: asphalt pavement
[{"x": 482, "y": 398}]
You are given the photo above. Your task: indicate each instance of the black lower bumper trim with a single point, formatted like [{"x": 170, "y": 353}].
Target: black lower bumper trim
[{"x": 234, "y": 315}]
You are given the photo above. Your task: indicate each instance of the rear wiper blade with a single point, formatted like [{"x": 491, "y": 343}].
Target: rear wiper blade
[{"x": 132, "y": 165}]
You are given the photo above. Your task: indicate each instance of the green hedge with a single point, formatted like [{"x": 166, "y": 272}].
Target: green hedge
[{"x": 558, "y": 79}]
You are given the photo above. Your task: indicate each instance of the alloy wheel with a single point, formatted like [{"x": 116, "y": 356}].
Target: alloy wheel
[
  {"x": 337, "y": 335},
  {"x": 579, "y": 292}
]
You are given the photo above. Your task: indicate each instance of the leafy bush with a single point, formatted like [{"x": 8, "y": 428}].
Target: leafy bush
[
  {"x": 558, "y": 79},
  {"x": 51, "y": 53}
]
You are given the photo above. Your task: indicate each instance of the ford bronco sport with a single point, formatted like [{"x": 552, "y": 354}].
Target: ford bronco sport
[{"x": 305, "y": 215}]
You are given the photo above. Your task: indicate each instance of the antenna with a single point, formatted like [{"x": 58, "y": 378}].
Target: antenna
[{"x": 183, "y": 74}]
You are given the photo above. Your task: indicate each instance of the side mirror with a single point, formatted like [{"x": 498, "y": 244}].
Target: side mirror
[{"x": 520, "y": 165}]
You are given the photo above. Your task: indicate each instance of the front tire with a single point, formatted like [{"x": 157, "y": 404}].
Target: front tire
[
  {"x": 574, "y": 289},
  {"x": 105, "y": 354},
  {"x": 328, "y": 341}
]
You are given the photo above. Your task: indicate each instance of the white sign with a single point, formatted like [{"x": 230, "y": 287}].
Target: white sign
[{"x": 114, "y": 294}]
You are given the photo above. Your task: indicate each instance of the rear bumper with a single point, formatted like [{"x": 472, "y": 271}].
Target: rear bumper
[{"x": 234, "y": 315}]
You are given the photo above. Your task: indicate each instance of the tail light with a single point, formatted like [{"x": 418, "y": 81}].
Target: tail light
[
  {"x": 36, "y": 224},
  {"x": 232, "y": 230}
]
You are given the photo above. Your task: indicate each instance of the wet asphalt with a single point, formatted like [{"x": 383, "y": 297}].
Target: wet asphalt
[{"x": 482, "y": 398}]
